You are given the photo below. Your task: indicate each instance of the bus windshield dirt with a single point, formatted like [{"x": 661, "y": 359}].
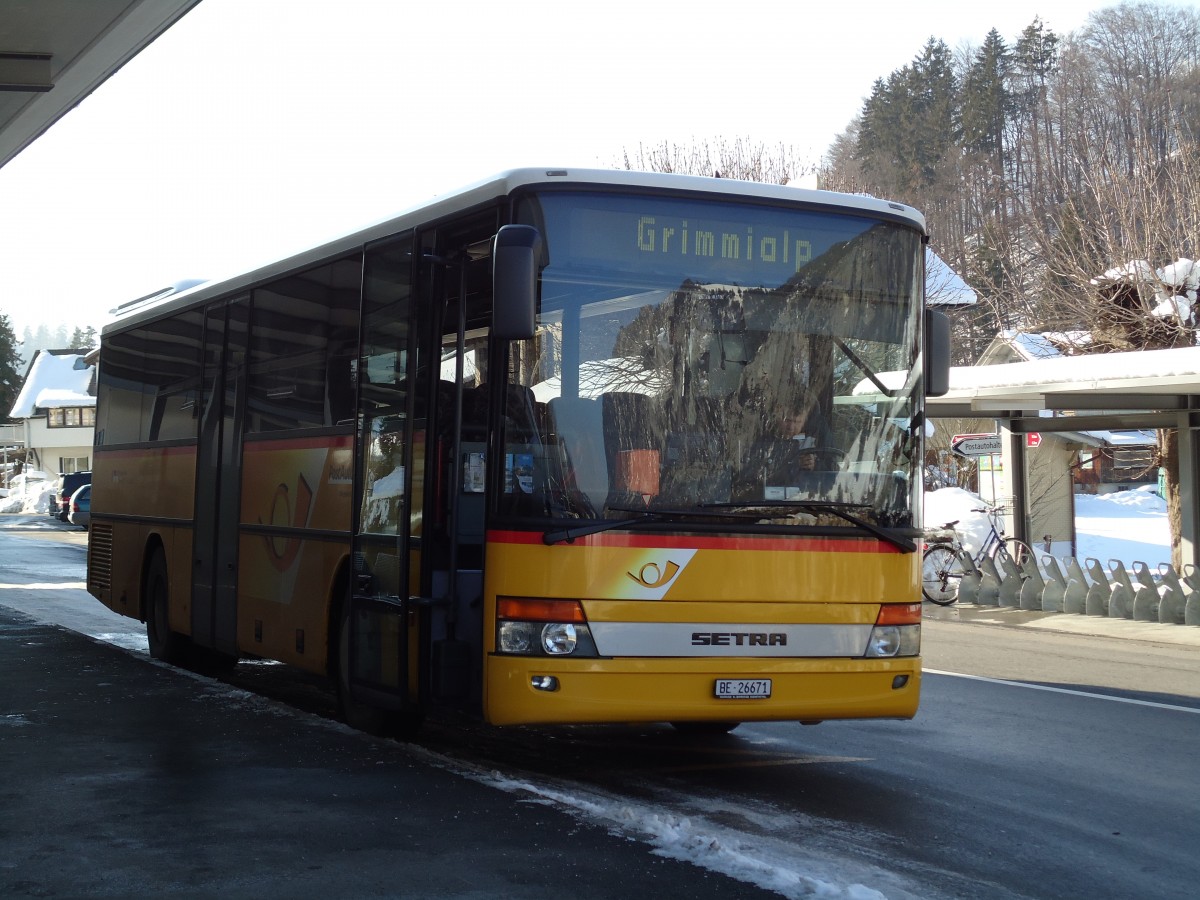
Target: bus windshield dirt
[{"x": 693, "y": 356}]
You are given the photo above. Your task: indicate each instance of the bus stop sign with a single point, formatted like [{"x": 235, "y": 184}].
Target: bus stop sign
[{"x": 976, "y": 444}]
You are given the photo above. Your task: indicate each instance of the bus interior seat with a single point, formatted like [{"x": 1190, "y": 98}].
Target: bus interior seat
[{"x": 633, "y": 444}]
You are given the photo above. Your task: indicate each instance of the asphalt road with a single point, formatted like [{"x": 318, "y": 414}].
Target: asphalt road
[{"x": 1044, "y": 763}]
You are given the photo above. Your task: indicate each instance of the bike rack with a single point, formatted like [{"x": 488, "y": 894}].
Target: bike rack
[
  {"x": 1172, "y": 606},
  {"x": 1032, "y": 584},
  {"x": 1075, "y": 595},
  {"x": 1145, "y": 595},
  {"x": 1191, "y": 606},
  {"x": 989, "y": 583},
  {"x": 968, "y": 585},
  {"x": 1010, "y": 581},
  {"x": 1099, "y": 592},
  {"x": 1056, "y": 586},
  {"x": 1120, "y": 602}
]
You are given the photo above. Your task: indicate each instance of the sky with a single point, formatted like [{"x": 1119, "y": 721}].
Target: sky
[{"x": 256, "y": 128}]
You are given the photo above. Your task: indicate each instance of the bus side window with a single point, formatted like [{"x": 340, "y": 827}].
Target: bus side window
[{"x": 339, "y": 390}]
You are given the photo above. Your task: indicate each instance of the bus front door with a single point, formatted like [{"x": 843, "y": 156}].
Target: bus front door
[{"x": 380, "y": 627}]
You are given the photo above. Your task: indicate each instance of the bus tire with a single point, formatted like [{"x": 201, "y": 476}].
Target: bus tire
[
  {"x": 165, "y": 644},
  {"x": 402, "y": 724},
  {"x": 702, "y": 728}
]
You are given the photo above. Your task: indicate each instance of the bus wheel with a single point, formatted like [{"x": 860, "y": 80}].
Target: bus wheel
[
  {"x": 704, "y": 727},
  {"x": 402, "y": 724},
  {"x": 165, "y": 644}
]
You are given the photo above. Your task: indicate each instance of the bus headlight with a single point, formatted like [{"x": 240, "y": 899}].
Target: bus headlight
[
  {"x": 541, "y": 627},
  {"x": 515, "y": 637},
  {"x": 897, "y": 631},
  {"x": 559, "y": 638}
]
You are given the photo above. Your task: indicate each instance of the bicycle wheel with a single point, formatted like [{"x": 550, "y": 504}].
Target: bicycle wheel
[
  {"x": 1018, "y": 551},
  {"x": 941, "y": 572}
]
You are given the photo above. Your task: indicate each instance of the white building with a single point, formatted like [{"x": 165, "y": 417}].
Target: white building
[{"x": 57, "y": 409}]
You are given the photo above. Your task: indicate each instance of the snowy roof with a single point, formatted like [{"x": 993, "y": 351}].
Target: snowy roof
[
  {"x": 944, "y": 286},
  {"x": 1028, "y": 346},
  {"x": 1138, "y": 380},
  {"x": 56, "y": 378}
]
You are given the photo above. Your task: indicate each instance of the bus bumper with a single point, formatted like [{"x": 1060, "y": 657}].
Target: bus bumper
[{"x": 682, "y": 690}]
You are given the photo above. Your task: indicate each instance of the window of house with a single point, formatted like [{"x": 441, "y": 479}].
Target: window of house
[{"x": 71, "y": 417}]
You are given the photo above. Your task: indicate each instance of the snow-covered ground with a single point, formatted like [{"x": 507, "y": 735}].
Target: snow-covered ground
[{"x": 1130, "y": 526}]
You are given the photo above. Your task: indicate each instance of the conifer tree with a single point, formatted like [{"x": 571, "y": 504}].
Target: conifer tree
[{"x": 10, "y": 368}]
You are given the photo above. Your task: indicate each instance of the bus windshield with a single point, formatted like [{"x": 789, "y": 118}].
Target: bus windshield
[{"x": 699, "y": 358}]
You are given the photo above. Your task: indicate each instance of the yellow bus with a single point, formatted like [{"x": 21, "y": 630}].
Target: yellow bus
[{"x": 564, "y": 446}]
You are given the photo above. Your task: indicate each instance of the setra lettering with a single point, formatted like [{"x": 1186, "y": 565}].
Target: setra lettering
[{"x": 739, "y": 639}]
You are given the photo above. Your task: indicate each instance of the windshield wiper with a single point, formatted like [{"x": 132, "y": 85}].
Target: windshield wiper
[
  {"x": 865, "y": 369},
  {"x": 557, "y": 536},
  {"x": 833, "y": 507},
  {"x": 641, "y": 517}
]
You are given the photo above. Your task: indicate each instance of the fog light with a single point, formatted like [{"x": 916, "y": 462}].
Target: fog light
[
  {"x": 544, "y": 683},
  {"x": 559, "y": 638},
  {"x": 516, "y": 637}
]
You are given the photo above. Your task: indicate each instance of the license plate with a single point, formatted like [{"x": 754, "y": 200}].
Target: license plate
[{"x": 742, "y": 688}]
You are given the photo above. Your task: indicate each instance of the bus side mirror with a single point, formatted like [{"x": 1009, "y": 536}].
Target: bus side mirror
[
  {"x": 515, "y": 258},
  {"x": 937, "y": 353}
]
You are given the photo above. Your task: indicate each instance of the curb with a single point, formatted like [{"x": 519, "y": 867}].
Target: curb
[{"x": 1064, "y": 623}]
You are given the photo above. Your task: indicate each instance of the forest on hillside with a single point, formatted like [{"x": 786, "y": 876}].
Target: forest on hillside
[{"x": 1059, "y": 174}]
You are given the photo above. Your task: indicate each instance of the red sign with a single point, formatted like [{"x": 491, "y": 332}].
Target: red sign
[{"x": 1033, "y": 439}]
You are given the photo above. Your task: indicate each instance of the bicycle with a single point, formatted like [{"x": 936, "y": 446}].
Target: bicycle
[{"x": 942, "y": 559}]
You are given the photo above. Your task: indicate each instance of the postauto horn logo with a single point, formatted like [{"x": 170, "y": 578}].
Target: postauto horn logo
[{"x": 651, "y": 575}]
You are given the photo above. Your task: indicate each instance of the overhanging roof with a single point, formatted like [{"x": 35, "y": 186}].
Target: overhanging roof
[
  {"x": 1141, "y": 389},
  {"x": 53, "y": 53}
]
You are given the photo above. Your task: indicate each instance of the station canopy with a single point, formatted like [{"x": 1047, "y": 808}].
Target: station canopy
[{"x": 53, "y": 53}]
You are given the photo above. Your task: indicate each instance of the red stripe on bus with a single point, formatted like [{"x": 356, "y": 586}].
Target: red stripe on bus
[
  {"x": 742, "y": 542},
  {"x": 303, "y": 443},
  {"x": 188, "y": 449}
]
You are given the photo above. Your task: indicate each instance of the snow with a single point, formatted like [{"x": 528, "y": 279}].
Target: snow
[
  {"x": 29, "y": 492},
  {"x": 1046, "y": 344},
  {"x": 944, "y": 286},
  {"x": 58, "y": 376},
  {"x": 50, "y": 398},
  {"x": 773, "y": 863},
  {"x": 1129, "y": 526}
]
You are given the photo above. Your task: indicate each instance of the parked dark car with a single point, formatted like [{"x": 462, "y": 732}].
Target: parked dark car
[
  {"x": 80, "y": 507},
  {"x": 60, "y": 500}
]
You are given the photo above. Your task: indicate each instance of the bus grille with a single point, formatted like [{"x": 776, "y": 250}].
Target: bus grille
[{"x": 100, "y": 544}]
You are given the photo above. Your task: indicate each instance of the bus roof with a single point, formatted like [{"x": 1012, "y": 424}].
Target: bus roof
[{"x": 185, "y": 293}]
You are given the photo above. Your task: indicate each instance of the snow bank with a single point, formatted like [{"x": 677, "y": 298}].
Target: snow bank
[
  {"x": 954, "y": 504},
  {"x": 36, "y": 500}
]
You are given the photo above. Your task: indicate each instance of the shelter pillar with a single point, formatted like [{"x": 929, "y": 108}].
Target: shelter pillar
[
  {"x": 1189, "y": 486},
  {"x": 1014, "y": 481}
]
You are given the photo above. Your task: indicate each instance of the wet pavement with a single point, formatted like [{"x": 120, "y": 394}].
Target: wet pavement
[{"x": 125, "y": 778}]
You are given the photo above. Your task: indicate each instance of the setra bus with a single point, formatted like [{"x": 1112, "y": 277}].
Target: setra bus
[{"x": 564, "y": 446}]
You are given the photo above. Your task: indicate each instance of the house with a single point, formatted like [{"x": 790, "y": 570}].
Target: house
[{"x": 57, "y": 410}]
